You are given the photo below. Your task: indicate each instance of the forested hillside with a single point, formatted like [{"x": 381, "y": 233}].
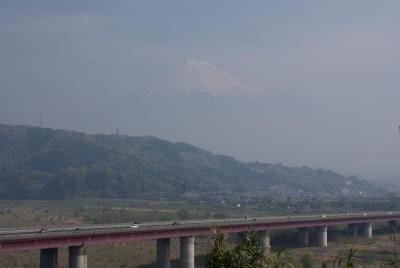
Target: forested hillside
[{"x": 42, "y": 163}]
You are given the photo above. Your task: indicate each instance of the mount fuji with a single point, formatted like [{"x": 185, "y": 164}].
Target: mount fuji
[{"x": 200, "y": 77}]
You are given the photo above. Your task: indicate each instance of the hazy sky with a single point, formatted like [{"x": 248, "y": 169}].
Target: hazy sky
[{"x": 342, "y": 55}]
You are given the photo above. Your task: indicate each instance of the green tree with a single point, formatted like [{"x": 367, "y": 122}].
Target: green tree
[
  {"x": 307, "y": 260},
  {"x": 219, "y": 255},
  {"x": 246, "y": 254}
]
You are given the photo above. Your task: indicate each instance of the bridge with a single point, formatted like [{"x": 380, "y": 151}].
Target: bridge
[{"x": 77, "y": 238}]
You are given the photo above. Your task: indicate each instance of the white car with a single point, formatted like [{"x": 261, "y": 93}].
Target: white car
[{"x": 323, "y": 215}]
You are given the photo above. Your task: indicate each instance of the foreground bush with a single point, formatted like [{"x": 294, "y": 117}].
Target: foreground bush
[
  {"x": 307, "y": 260},
  {"x": 247, "y": 254}
]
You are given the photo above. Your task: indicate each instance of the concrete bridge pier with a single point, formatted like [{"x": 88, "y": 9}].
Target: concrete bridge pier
[
  {"x": 302, "y": 236},
  {"x": 77, "y": 257},
  {"x": 48, "y": 258},
  {"x": 164, "y": 253},
  {"x": 264, "y": 238},
  {"x": 392, "y": 226},
  {"x": 366, "y": 230},
  {"x": 352, "y": 229},
  {"x": 187, "y": 252},
  {"x": 322, "y": 236}
]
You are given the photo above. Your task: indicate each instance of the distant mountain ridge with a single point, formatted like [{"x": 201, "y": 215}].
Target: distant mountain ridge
[{"x": 41, "y": 163}]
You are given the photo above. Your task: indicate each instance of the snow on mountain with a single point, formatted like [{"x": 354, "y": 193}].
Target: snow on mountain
[{"x": 196, "y": 76}]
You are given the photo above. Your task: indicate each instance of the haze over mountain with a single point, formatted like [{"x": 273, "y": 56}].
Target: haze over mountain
[
  {"x": 120, "y": 64},
  {"x": 199, "y": 103}
]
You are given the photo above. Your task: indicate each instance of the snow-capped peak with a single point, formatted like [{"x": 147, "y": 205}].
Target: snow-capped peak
[{"x": 194, "y": 76}]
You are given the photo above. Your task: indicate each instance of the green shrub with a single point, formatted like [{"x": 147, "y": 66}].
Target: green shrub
[{"x": 307, "y": 260}]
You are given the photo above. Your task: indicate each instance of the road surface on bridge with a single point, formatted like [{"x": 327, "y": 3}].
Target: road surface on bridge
[{"x": 15, "y": 239}]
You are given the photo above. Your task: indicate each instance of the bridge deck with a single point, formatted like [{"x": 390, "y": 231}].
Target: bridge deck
[{"x": 16, "y": 239}]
